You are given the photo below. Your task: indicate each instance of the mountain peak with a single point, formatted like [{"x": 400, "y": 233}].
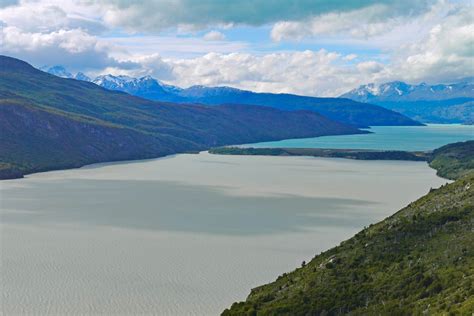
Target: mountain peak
[
  {"x": 110, "y": 81},
  {"x": 400, "y": 91},
  {"x": 439, "y": 103},
  {"x": 58, "y": 71},
  {"x": 82, "y": 76},
  {"x": 145, "y": 86},
  {"x": 147, "y": 77},
  {"x": 61, "y": 71}
]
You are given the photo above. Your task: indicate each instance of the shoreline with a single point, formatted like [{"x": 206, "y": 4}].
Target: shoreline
[
  {"x": 211, "y": 151},
  {"x": 302, "y": 255},
  {"x": 278, "y": 270},
  {"x": 356, "y": 154},
  {"x": 11, "y": 171},
  {"x": 352, "y": 154}
]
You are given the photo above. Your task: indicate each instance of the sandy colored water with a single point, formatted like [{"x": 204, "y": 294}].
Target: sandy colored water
[{"x": 183, "y": 235}]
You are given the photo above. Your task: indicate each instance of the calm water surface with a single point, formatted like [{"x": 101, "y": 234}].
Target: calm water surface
[
  {"x": 183, "y": 235},
  {"x": 410, "y": 138}
]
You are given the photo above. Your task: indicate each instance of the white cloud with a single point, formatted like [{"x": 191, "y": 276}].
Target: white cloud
[
  {"x": 445, "y": 54},
  {"x": 350, "y": 57},
  {"x": 369, "y": 67},
  {"x": 306, "y": 72},
  {"x": 153, "y": 65},
  {"x": 214, "y": 36},
  {"x": 53, "y": 15},
  {"x": 362, "y": 23},
  {"x": 154, "y": 16},
  {"x": 71, "y": 41},
  {"x": 172, "y": 46},
  {"x": 433, "y": 45},
  {"x": 75, "y": 48}
]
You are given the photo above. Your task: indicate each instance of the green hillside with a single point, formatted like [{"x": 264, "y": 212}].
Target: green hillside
[
  {"x": 49, "y": 123},
  {"x": 454, "y": 160},
  {"x": 418, "y": 261}
]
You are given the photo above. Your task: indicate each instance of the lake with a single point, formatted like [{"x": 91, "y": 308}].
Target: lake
[
  {"x": 186, "y": 234},
  {"x": 411, "y": 138}
]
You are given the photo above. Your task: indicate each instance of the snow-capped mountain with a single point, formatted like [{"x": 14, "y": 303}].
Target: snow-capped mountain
[
  {"x": 60, "y": 71},
  {"x": 146, "y": 87},
  {"x": 81, "y": 76},
  {"x": 398, "y": 91},
  {"x": 342, "y": 110},
  {"x": 440, "y": 103},
  {"x": 146, "y": 84},
  {"x": 427, "y": 103},
  {"x": 112, "y": 82}
]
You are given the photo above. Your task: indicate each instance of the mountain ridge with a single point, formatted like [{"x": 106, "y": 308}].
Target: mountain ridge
[
  {"x": 51, "y": 123},
  {"x": 440, "y": 103},
  {"x": 342, "y": 110},
  {"x": 401, "y": 91}
]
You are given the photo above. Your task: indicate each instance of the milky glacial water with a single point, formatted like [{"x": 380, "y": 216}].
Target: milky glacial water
[
  {"x": 411, "y": 138},
  {"x": 183, "y": 235}
]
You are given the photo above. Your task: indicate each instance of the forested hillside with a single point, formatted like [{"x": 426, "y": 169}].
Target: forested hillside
[{"x": 49, "y": 122}]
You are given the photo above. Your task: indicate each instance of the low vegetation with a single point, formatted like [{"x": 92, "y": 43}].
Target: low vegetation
[{"x": 454, "y": 160}]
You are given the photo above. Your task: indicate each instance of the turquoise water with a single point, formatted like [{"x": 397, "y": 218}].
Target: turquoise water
[{"x": 384, "y": 138}]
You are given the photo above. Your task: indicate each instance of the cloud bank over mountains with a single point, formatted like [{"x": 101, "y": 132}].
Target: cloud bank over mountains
[{"x": 306, "y": 47}]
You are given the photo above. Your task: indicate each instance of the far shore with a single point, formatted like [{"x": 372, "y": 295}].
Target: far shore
[{"x": 358, "y": 154}]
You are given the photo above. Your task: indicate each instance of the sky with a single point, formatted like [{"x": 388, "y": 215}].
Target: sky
[{"x": 308, "y": 47}]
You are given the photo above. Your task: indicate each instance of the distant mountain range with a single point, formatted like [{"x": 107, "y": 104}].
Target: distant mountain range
[
  {"x": 342, "y": 110},
  {"x": 401, "y": 91},
  {"x": 48, "y": 122},
  {"x": 440, "y": 103}
]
